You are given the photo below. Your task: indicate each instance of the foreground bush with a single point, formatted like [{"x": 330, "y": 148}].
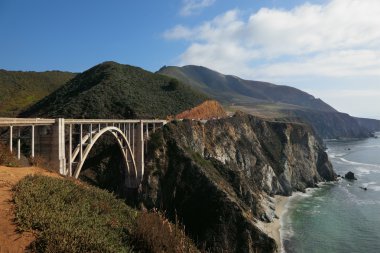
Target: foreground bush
[
  {"x": 68, "y": 217},
  {"x": 72, "y": 218},
  {"x": 154, "y": 233},
  {"x": 6, "y": 157}
]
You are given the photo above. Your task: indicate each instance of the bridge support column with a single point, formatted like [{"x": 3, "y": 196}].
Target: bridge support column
[
  {"x": 18, "y": 144},
  {"x": 11, "y": 139},
  {"x": 58, "y": 155},
  {"x": 32, "y": 154},
  {"x": 138, "y": 136}
]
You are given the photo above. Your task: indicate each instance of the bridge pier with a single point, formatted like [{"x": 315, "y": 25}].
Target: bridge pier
[
  {"x": 11, "y": 139},
  {"x": 58, "y": 154},
  {"x": 138, "y": 151}
]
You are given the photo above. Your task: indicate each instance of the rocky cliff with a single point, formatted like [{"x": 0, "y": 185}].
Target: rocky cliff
[
  {"x": 372, "y": 125},
  {"x": 333, "y": 125},
  {"x": 217, "y": 177}
]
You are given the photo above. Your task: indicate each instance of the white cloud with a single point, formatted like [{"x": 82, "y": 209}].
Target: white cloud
[
  {"x": 191, "y": 7},
  {"x": 340, "y": 38}
]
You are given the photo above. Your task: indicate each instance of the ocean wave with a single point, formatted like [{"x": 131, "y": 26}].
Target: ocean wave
[
  {"x": 368, "y": 184},
  {"x": 368, "y": 146},
  {"x": 354, "y": 199},
  {"x": 363, "y": 171},
  {"x": 336, "y": 155},
  {"x": 358, "y": 163},
  {"x": 372, "y": 186}
]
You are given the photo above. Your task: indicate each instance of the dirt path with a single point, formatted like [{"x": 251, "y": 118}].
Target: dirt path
[{"x": 10, "y": 240}]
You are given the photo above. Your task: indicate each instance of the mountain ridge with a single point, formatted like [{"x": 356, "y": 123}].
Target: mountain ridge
[
  {"x": 274, "y": 102},
  {"x": 230, "y": 87},
  {"x": 113, "y": 90}
]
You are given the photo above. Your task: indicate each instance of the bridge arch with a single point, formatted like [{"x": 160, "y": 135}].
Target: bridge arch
[{"x": 120, "y": 138}]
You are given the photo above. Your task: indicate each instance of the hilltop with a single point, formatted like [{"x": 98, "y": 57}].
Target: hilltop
[
  {"x": 273, "y": 102},
  {"x": 113, "y": 90},
  {"x": 19, "y": 89}
]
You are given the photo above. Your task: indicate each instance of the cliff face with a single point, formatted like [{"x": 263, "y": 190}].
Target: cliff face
[
  {"x": 217, "y": 177},
  {"x": 331, "y": 125},
  {"x": 372, "y": 124}
]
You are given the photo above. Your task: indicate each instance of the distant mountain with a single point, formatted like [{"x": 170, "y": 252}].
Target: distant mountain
[
  {"x": 232, "y": 89},
  {"x": 112, "y": 90},
  {"x": 274, "y": 102},
  {"x": 18, "y": 89}
]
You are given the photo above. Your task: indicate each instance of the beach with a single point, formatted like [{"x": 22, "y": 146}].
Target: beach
[{"x": 273, "y": 228}]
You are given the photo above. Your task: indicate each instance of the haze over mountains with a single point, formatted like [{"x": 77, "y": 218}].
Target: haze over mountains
[{"x": 275, "y": 102}]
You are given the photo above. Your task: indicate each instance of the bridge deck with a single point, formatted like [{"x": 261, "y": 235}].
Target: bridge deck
[{"x": 47, "y": 122}]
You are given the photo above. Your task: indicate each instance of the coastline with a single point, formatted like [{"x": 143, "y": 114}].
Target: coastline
[{"x": 273, "y": 229}]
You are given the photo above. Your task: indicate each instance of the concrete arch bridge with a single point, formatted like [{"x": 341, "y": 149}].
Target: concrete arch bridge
[{"x": 66, "y": 143}]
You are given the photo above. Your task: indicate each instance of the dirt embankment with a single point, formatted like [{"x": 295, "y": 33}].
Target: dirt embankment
[
  {"x": 207, "y": 110},
  {"x": 10, "y": 240}
]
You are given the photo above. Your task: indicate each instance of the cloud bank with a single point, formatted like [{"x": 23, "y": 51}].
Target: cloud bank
[{"x": 340, "y": 38}]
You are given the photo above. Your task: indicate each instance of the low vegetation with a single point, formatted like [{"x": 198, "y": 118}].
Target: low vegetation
[
  {"x": 71, "y": 217},
  {"x": 6, "y": 157},
  {"x": 155, "y": 233},
  {"x": 112, "y": 90}
]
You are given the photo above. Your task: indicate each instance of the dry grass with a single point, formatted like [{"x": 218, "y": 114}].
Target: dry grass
[
  {"x": 207, "y": 110},
  {"x": 39, "y": 161},
  {"x": 155, "y": 233}
]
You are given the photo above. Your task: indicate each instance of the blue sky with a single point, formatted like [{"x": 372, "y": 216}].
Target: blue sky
[{"x": 330, "y": 48}]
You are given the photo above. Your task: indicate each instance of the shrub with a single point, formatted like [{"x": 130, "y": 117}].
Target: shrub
[
  {"x": 71, "y": 217},
  {"x": 173, "y": 84},
  {"x": 155, "y": 233},
  {"x": 6, "y": 157},
  {"x": 39, "y": 161}
]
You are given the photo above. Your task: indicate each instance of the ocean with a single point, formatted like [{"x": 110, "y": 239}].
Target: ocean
[{"x": 340, "y": 216}]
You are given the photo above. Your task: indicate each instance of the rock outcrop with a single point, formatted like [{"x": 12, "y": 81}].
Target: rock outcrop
[
  {"x": 216, "y": 177},
  {"x": 350, "y": 176}
]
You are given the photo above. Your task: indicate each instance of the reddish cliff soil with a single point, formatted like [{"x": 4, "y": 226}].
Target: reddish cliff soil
[
  {"x": 207, "y": 110},
  {"x": 10, "y": 240}
]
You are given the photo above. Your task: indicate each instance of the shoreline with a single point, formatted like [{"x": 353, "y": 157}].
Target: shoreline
[{"x": 273, "y": 229}]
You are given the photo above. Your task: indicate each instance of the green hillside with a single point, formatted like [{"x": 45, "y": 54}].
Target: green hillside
[
  {"x": 234, "y": 90},
  {"x": 112, "y": 90},
  {"x": 19, "y": 90}
]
